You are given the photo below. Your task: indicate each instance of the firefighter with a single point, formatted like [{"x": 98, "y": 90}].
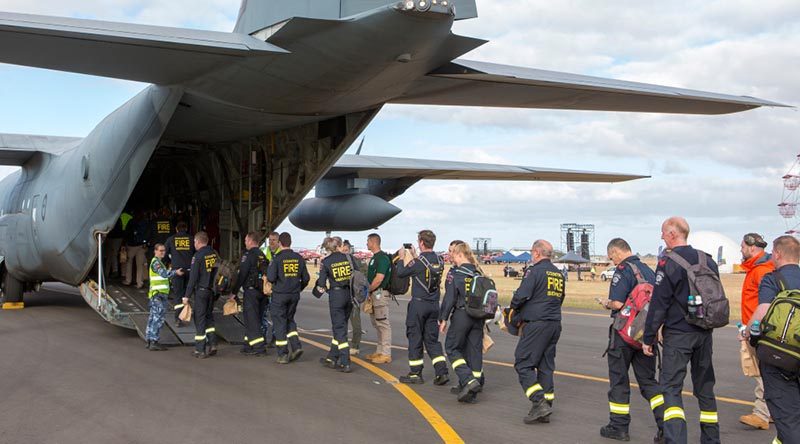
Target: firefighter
[
  {"x": 334, "y": 278},
  {"x": 422, "y": 330},
  {"x": 252, "y": 269},
  {"x": 538, "y": 302},
  {"x": 201, "y": 284},
  {"x": 682, "y": 342},
  {"x": 180, "y": 250},
  {"x": 289, "y": 276},
  {"x": 270, "y": 249},
  {"x": 629, "y": 273},
  {"x": 465, "y": 334}
]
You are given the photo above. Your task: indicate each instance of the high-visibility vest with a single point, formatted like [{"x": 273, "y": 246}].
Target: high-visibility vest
[
  {"x": 268, "y": 253},
  {"x": 125, "y": 218},
  {"x": 158, "y": 284}
]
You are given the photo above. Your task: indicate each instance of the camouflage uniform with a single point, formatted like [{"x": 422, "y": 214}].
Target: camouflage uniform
[{"x": 159, "y": 277}]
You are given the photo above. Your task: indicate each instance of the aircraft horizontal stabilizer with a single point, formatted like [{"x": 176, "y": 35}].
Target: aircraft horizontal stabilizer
[
  {"x": 16, "y": 149},
  {"x": 470, "y": 83},
  {"x": 151, "y": 54},
  {"x": 375, "y": 167}
]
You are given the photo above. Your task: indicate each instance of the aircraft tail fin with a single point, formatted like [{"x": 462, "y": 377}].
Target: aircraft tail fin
[{"x": 256, "y": 15}]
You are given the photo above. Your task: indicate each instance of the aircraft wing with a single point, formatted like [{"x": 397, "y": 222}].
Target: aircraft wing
[
  {"x": 375, "y": 167},
  {"x": 16, "y": 149},
  {"x": 470, "y": 83},
  {"x": 152, "y": 54}
]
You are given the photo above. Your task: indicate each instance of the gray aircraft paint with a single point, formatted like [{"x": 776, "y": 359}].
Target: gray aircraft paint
[{"x": 315, "y": 79}]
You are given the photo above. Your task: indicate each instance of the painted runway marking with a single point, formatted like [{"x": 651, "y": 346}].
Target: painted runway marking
[
  {"x": 566, "y": 374},
  {"x": 433, "y": 417}
]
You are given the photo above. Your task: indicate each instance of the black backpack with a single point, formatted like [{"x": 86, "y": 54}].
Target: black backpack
[
  {"x": 482, "y": 299},
  {"x": 705, "y": 282},
  {"x": 397, "y": 285},
  {"x": 433, "y": 274}
]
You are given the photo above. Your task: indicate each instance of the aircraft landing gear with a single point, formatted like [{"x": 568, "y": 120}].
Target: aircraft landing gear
[{"x": 13, "y": 291}]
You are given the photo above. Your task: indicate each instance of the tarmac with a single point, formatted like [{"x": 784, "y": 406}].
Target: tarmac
[{"x": 70, "y": 377}]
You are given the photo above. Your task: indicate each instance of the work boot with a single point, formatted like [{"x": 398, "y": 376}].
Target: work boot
[
  {"x": 456, "y": 389},
  {"x": 211, "y": 349},
  {"x": 539, "y": 410},
  {"x": 411, "y": 378},
  {"x": 283, "y": 359},
  {"x": 381, "y": 359},
  {"x": 295, "y": 355},
  {"x": 611, "y": 432},
  {"x": 472, "y": 399},
  {"x": 441, "y": 379},
  {"x": 246, "y": 350},
  {"x": 271, "y": 344},
  {"x": 155, "y": 346},
  {"x": 754, "y": 421},
  {"x": 199, "y": 354},
  {"x": 327, "y": 362},
  {"x": 471, "y": 387},
  {"x": 354, "y": 352},
  {"x": 345, "y": 369},
  {"x": 659, "y": 438},
  {"x": 371, "y": 356}
]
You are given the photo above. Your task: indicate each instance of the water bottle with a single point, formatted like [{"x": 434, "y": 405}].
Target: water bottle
[
  {"x": 741, "y": 327},
  {"x": 755, "y": 333},
  {"x": 692, "y": 308},
  {"x": 700, "y": 311},
  {"x": 626, "y": 311}
]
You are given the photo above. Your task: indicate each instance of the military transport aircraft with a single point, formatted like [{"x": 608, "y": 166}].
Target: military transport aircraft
[{"x": 241, "y": 126}]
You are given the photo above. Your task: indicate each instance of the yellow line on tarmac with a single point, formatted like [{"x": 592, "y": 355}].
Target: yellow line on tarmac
[
  {"x": 433, "y": 417},
  {"x": 567, "y": 374}
]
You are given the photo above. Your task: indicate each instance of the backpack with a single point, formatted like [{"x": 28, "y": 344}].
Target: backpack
[
  {"x": 779, "y": 344},
  {"x": 433, "y": 274},
  {"x": 705, "y": 282},
  {"x": 397, "y": 285},
  {"x": 226, "y": 276},
  {"x": 359, "y": 285},
  {"x": 631, "y": 319},
  {"x": 481, "y": 300}
]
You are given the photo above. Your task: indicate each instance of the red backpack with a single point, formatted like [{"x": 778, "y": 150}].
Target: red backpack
[{"x": 632, "y": 317}]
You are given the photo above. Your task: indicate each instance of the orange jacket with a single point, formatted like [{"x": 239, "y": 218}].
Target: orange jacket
[{"x": 756, "y": 267}]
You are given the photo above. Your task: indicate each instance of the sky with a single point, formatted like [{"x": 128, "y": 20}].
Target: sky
[{"x": 723, "y": 173}]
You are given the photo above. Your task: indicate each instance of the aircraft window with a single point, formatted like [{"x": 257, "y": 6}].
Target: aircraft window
[{"x": 44, "y": 205}]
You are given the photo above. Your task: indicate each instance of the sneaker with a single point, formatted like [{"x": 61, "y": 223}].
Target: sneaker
[
  {"x": 296, "y": 355},
  {"x": 345, "y": 369},
  {"x": 381, "y": 359},
  {"x": 659, "y": 438},
  {"x": 611, "y": 432},
  {"x": 754, "y": 421},
  {"x": 470, "y": 388},
  {"x": 354, "y": 352},
  {"x": 327, "y": 363},
  {"x": 538, "y": 411},
  {"x": 199, "y": 354},
  {"x": 411, "y": 378},
  {"x": 283, "y": 359},
  {"x": 441, "y": 379}
]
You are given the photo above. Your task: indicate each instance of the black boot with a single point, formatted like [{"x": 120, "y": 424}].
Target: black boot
[
  {"x": 539, "y": 410},
  {"x": 441, "y": 379},
  {"x": 611, "y": 432},
  {"x": 295, "y": 355},
  {"x": 659, "y": 438},
  {"x": 472, "y": 387},
  {"x": 456, "y": 389},
  {"x": 411, "y": 378},
  {"x": 155, "y": 346}
]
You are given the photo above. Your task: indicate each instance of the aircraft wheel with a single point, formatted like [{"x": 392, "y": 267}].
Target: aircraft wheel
[{"x": 12, "y": 291}]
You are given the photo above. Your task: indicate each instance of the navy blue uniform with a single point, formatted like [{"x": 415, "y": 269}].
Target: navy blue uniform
[
  {"x": 334, "y": 274},
  {"x": 289, "y": 276},
  {"x": 252, "y": 269},
  {"x": 422, "y": 328},
  {"x": 622, "y": 356},
  {"x": 464, "y": 340},
  {"x": 201, "y": 284},
  {"x": 180, "y": 250},
  {"x": 538, "y": 304},
  {"x": 781, "y": 390},
  {"x": 683, "y": 343}
]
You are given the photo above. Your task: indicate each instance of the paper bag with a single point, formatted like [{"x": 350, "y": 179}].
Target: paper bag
[
  {"x": 230, "y": 308},
  {"x": 749, "y": 360},
  {"x": 267, "y": 286},
  {"x": 487, "y": 342},
  {"x": 186, "y": 313},
  {"x": 367, "y": 307}
]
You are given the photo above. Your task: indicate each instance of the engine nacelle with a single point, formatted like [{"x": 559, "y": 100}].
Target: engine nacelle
[{"x": 356, "y": 212}]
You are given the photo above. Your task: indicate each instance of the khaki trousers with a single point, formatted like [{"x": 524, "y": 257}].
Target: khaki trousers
[
  {"x": 136, "y": 254},
  {"x": 380, "y": 320}
]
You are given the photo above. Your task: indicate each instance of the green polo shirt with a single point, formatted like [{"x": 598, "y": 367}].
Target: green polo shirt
[{"x": 380, "y": 263}]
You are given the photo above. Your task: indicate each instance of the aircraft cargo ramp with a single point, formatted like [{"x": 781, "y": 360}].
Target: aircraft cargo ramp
[{"x": 126, "y": 307}]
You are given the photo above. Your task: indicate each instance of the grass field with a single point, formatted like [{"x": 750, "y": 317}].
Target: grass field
[{"x": 582, "y": 294}]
